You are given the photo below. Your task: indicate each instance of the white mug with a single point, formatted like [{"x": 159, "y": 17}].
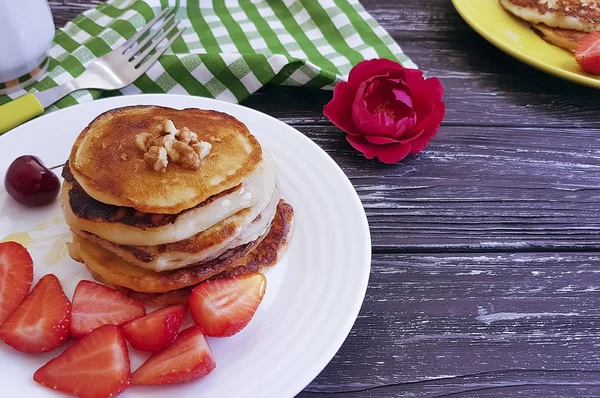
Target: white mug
[{"x": 26, "y": 33}]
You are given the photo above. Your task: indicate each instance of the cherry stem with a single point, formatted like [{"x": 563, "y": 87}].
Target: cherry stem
[{"x": 57, "y": 166}]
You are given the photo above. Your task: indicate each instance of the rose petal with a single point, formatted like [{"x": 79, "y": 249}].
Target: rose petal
[
  {"x": 424, "y": 92},
  {"x": 421, "y": 142},
  {"x": 374, "y": 67},
  {"x": 417, "y": 146},
  {"x": 370, "y": 85},
  {"x": 400, "y": 109},
  {"x": 427, "y": 97},
  {"x": 413, "y": 77},
  {"x": 373, "y": 139},
  {"x": 402, "y": 96},
  {"x": 339, "y": 109},
  {"x": 429, "y": 123},
  {"x": 405, "y": 125},
  {"x": 434, "y": 85},
  {"x": 432, "y": 88},
  {"x": 391, "y": 153},
  {"x": 359, "y": 95}
]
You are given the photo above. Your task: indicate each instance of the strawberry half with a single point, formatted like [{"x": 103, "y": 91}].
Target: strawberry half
[
  {"x": 223, "y": 307},
  {"x": 156, "y": 330},
  {"x": 188, "y": 358},
  {"x": 588, "y": 53},
  {"x": 97, "y": 366},
  {"x": 95, "y": 305},
  {"x": 41, "y": 322},
  {"x": 16, "y": 276}
]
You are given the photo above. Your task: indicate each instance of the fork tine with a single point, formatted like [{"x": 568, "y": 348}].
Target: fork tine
[
  {"x": 131, "y": 41},
  {"x": 140, "y": 57},
  {"x": 140, "y": 46},
  {"x": 145, "y": 65}
]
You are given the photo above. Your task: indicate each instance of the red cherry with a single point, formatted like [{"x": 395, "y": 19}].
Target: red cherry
[{"x": 30, "y": 182}]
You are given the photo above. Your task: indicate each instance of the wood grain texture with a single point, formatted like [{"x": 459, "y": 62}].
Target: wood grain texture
[
  {"x": 435, "y": 324},
  {"x": 485, "y": 275},
  {"x": 65, "y": 10}
]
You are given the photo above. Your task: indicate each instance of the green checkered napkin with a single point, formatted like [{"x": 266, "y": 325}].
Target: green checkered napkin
[{"x": 230, "y": 48}]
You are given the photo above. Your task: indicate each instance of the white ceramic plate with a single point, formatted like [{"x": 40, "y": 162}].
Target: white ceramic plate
[{"x": 313, "y": 295}]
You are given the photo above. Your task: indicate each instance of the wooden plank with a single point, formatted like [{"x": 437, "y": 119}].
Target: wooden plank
[
  {"x": 65, "y": 10},
  {"x": 493, "y": 385},
  {"x": 480, "y": 189},
  {"x": 444, "y": 323}
]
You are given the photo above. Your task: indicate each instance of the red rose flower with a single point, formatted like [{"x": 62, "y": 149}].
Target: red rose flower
[{"x": 388, "y": 111}]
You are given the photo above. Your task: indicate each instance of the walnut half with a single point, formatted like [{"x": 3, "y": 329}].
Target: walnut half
[
  {"x": 144, "y": 141},
  {"x": 156, "y": 157},
  {"x": 187, "y": 157}
]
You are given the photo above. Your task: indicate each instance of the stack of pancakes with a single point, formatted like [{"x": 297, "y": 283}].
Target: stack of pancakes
[
  {"x": 559, "y": 22},
  {"x": 155, "y": 232}
]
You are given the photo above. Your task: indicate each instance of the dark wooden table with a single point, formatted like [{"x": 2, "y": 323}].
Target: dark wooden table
[{"x": 485, "y": 279}]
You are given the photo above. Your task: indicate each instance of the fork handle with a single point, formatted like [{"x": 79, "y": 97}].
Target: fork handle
[{"x": 19, "y": 111}]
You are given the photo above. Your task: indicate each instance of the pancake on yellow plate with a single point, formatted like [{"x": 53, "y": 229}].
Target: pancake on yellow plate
[
  {"x": 559, "y": 22},
  {"x": 580, "y": 15},
  {"x": 564, "y": 38}
]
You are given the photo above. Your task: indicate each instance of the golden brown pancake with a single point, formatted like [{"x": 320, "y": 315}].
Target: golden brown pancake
[
  {"x": 564, "y": 38},
  {"x": 117, "y": 272},
  {"x": 580, "y": 15},
  {"x": 109, "y": 166},
  {"x": 264, "y": 256}
]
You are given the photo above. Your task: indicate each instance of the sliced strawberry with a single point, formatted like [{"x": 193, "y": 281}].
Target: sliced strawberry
[
  {"x": 95, "y": 305},
  {"x": 97, "y": 366},
  {"x": 188, "y": 358},
  {"x": 41, "y": 323},
  {"x": 156, "y": 330},
  {"x": 223, "y": 307},
  {"x": 16, "y": 276},
  {"x": 588, "y": 53}
]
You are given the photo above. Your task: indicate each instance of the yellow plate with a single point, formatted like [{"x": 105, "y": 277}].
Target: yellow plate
[{"x": 513, "y": 35}]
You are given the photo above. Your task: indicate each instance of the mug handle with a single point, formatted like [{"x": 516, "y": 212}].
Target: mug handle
[{"x": 18, "y": 111}]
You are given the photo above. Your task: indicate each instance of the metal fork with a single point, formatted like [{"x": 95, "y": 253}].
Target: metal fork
[{"x": 117, "y": 69}]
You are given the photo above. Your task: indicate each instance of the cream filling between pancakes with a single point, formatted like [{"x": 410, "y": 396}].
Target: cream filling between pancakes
[
  {"x": 202, "y": 247},
  {"x": 262, "y": 182}
]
